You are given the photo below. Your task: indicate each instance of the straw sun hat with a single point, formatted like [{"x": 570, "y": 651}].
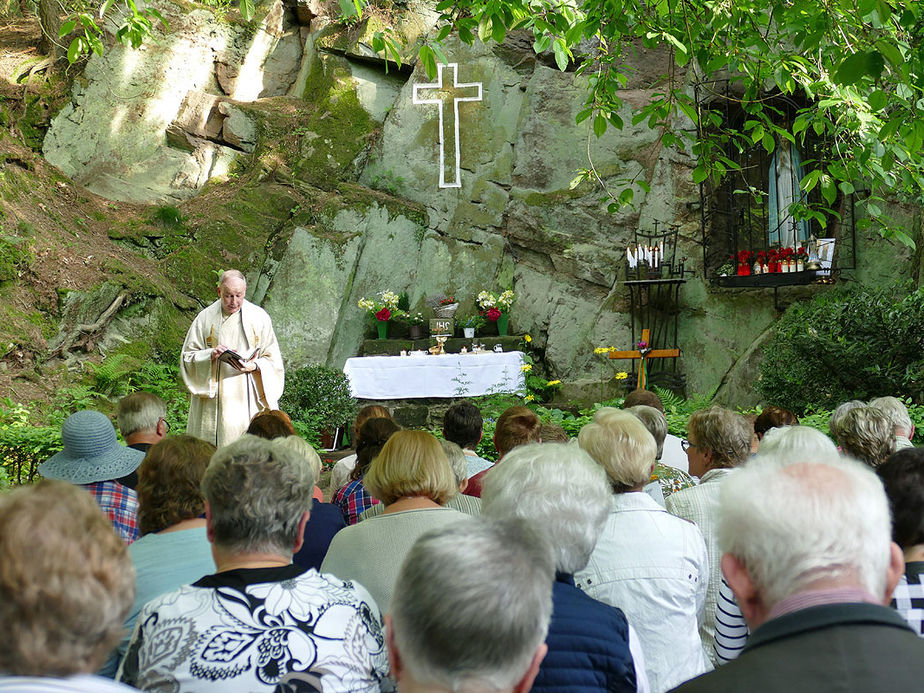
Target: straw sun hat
[{"x": 91, "y": 451}]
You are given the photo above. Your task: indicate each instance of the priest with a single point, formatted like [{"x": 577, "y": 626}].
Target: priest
[{"x": 227, "y": 392}]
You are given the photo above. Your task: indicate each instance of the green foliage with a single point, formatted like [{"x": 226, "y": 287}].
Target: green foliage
[
  {"x": 677, "y": 410},
  {"x": 167, "y": 216},
  {"x": 319, "y": 399},
  {"x": 858, "y": 65},
  {"x": 15, "y": 257},
  {"x": 849, "y": 344},
  {"x": 133, "y": 25},
  {"x": 23, "y": 445}
]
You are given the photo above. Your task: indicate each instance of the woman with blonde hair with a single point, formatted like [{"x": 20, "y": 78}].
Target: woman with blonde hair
[{"x": 413, "y": 479}]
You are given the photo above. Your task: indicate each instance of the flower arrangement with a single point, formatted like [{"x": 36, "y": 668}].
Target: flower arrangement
[
  {"x": 449, "y": 300},
  {"x": 493, "y": 314},
  {"x": 487, "y": 300},
  {"x": 473, "y": 321},
  {"x": 384, "y": 307},
  {"x": 415, "y": 319}
]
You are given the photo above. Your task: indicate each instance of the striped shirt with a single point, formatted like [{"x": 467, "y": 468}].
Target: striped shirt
[{"x": 731, "y": 630}]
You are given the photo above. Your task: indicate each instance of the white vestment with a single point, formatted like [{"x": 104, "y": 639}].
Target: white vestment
[{"x": 223, "y": 399}]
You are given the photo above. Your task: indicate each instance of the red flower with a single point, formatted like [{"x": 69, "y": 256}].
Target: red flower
[
  {"x": 493, "y": 314},
  {"x": 448, "y": 301},
  {"x": 383, "y": 314}
]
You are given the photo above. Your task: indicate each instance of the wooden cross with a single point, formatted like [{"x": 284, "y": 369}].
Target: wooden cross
[{"x": 643, "y": 353}]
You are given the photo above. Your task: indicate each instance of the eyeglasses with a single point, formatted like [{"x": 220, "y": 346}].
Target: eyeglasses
[
  {"x": 686, "y": 444},
  {"x": 166, "y": 425}
]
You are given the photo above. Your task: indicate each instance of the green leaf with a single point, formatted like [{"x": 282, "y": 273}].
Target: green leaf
[
  {"x": 877, "y": 100},
  {"x": 542, "y": 43},
  {"x": 428, "y": 60},
  {"x": 561, "y": 55},
  {"x": 74, "y": 50},
  {"x": 583, "y": 115},
  {"x": 599, "y": 125},
  {"x": 846, "y": 187},
  {"x": 577, "y": 180},
  {"x": 700, "y": 174},
  {"x": 247, "y": 9},
  {"x": 858, "y": 66},
  {"x": 626, "y": 196},
  {"x": 498, "y": 30}
]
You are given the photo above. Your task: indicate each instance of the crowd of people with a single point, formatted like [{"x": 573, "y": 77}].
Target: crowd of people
[{"x": 754, "y": 555}]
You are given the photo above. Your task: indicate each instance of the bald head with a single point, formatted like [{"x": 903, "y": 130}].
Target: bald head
[{"x": 232, "y": 287}]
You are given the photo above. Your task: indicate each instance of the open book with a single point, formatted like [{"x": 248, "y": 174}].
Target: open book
[{"x": 236, "y": 360}]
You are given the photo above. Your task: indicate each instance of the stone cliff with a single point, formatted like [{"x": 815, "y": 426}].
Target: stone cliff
[{"x": 296, "y": 153}]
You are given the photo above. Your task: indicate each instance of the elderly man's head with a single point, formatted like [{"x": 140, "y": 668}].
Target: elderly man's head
[
  {"x": 471, "y": 609},
  {"x": 259, "y": 495},
  {"x": 787, "y": 528},
  {"x": 620, "y": 443},
  {"x": 232, "y": 287},
  {"x": 865, "y": 434},
  {"x": 66, "y": 581},
  {"x": 717, "y": 438},
  {"x": 142, "y": 414},
  {"x": 559, "y": 490}
]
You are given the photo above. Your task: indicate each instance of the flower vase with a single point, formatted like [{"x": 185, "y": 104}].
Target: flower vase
[
  {"x": 416, "y": 332},
  {"x": 383, "y": 329},
  {"x": 744, "y": 269},
  {"x": 468, "y": 332},
  {"x": 502, "y": 324},
  {"x": 773, "y": 267}
]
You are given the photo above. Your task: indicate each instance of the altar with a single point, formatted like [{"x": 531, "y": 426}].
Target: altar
[{"x": 420, "y": 376}]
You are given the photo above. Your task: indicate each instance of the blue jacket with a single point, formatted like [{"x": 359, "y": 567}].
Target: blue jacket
[{"x": 588, "y": 645}]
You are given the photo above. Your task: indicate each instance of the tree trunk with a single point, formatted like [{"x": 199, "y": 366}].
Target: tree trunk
[{"x": 50, "y": 21}]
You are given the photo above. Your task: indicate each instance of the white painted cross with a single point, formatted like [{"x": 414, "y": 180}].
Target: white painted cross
[{"x": 439, "y": 99}]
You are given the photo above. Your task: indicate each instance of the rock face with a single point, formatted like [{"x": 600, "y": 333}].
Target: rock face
[
  {"x": 317, "y": 111},
  {"x": 148, "y": 124}
]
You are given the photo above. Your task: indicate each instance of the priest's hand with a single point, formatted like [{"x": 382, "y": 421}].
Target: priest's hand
[
  {"x": 218, "y": 351},
  {"x": 248, "y": 367}
]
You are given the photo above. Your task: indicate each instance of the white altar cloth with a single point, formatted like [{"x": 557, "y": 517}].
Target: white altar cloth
[{"x": 447, "y": 375}]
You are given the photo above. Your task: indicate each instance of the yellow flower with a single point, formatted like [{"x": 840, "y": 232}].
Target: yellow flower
[
  {"x": 622, "y": 375},
  {"x": 527, "y": 338},
  {"x": 528, "y": 398},
  {"x": 553, "y": 382},
  {"x": 526, "y": 368},
  {"x": 604, "y": 350}
]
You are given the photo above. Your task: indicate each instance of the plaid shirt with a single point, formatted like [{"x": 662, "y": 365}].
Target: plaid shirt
[
  {"x": 908, "y": 598},
  {"x": 120, "y": 503},
  {"x": 352, "y": 500}
]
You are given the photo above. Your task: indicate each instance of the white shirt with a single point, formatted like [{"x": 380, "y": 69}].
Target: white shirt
[
  {"x": 700, "y": 504},
  {"x": 653, "y": 566},
  {"x": 81, "y": 683},
  {"x": 673, "y": 455}
]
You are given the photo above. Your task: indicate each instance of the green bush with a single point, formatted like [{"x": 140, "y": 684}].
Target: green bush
[
  {"x": 318, "y": 398},
  {"x": 847, "y": 344},
  {"x": 23, "y": 446}
]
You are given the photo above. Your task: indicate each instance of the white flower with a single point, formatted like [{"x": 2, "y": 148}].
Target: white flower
[
  {"x": 366, "y": 304},
  {"x": 295, "y": 597}
]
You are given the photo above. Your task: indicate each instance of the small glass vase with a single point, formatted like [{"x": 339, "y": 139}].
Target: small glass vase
[{"x": 744, "y": 269}]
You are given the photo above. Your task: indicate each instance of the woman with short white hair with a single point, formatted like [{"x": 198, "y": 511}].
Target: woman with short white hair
[
  {"x": 647, "y": 562},
  {"x": 565, "y": 497}
]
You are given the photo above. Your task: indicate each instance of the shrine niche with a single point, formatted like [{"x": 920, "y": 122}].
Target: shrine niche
[
  {"x": 759, "y": 227},
  {"x": 654, "y": 275}
]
